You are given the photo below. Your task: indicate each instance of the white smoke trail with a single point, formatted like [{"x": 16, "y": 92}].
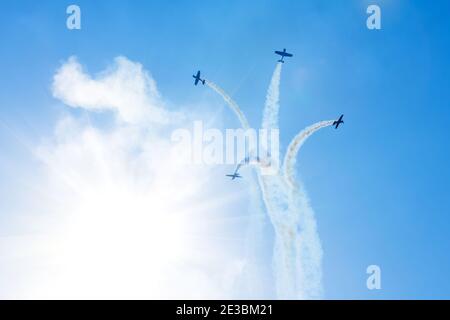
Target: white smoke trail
[
  {"x": 307, "y": 248},
  {"x": 256, "y": 223},
  {"x": 297, "y": 255},
  {"x": 272, "y": 106},
  {"x": 253, "y": 160},
  {"x": 275, "y": 196},
  {"x": 294, "y": 147},
  {"x": 231, "y": 103}
]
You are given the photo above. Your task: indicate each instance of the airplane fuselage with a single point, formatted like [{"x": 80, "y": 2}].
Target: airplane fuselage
[
  {"x": 338, "y": 122},
  {"x": 198, "y": 79}
]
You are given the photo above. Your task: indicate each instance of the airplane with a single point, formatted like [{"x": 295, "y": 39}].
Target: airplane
[
  {"x": 338, "y": 122},
  {"x": 197, "y": 78},
  {"x": 283, "y": 54},
  {"x": 234, "y": 175}
]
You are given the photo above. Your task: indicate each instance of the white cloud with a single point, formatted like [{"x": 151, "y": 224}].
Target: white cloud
[
  {"x": 125, "y": 88},
  {"x": 116, "y": 215}
]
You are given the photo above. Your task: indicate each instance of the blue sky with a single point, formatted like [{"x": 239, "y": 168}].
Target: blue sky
[{"x": 379, "y": 185}]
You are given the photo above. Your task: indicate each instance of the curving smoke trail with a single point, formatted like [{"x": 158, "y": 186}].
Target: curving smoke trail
[
  {"x": 294, "y": 148},
  {"x": 283, "y": 210},
  {"x": 306, "y": 247},
  {"x": 231, "y": 103},
  {"x": 252, "y": 160},
  {"x": 297, "y": 256}
]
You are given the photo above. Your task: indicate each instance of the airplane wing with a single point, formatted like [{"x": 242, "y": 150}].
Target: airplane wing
[
  {"x": 284, "y": 54},
  {"x": 197, "y": 77}
]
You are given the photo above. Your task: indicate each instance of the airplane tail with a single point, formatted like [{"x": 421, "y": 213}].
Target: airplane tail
[{"x": 203, "y": 81}]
